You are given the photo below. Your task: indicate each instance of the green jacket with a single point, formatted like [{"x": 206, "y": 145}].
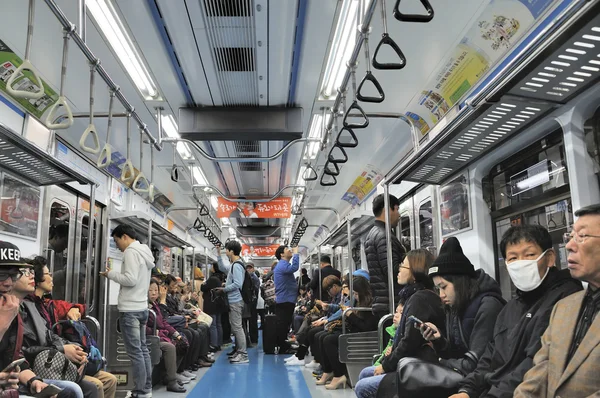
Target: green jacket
[{"x": 392, "y": 332}]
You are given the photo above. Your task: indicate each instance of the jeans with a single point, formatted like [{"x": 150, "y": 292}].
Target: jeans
[
  {"x": 368, "y": 383},
  {"x": 235, "y": 319},
  {"x": 133, "y": 328},
  {"x": 69, "y": 389},
  {"x": 216, "y": 331}
]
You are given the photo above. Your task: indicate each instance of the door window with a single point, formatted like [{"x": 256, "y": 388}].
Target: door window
[
  {"x": 426, "y": 225},
  {"x": 405, "y": 234},
  {"x": 58, "y": 244}
]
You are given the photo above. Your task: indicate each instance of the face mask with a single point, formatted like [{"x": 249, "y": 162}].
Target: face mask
[{"x": 525, "y": 275}]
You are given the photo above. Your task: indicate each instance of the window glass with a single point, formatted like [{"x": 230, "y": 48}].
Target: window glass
[
  {"x": 405, "y": 231},
  {"x": 58, "y": 244},
  {"x": 426, "y": 224}
]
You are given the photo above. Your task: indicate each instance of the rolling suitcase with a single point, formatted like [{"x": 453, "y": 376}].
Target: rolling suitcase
[{"x": 269, "y": 334}]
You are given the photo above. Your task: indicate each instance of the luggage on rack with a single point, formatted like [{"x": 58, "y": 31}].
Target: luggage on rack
[{"x": 269, "y": 334}]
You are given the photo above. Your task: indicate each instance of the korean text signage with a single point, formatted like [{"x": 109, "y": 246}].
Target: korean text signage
[
  {"x": 259, "y": 251},
  {"x": 276, "y": 208}
]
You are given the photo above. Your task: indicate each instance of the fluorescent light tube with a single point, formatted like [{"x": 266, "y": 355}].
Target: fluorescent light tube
[
  {"x": 316, "y": 131},
  {"x": 300, "y": 180},
  {"x": 342, "y": 46},
  {"x": 170, "y": 128},
  {"x": 115, "y": 33},
  {"x": 199, "y": 176},
  {"x": 214, "y": 202}
]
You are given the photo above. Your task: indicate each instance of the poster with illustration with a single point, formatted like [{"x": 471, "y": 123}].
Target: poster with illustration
[
  {"x": 497, "y": 30},
  {"x": 19, "y": 207},
  {"x": 363, "y": 185}
]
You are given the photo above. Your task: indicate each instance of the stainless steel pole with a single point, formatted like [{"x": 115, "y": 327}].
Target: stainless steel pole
[
  {"x": 320, "y": 273},
  {"x": 388, "y": 241},
  {"x": 90, "y": 245},
  {"x": 350, "y": 261}
]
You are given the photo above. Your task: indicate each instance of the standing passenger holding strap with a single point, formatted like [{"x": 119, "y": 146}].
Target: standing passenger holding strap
[{"x": 286, "y": 292}]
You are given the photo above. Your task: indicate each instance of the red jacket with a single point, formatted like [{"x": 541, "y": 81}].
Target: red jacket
[{"x": 54, "y": 310}]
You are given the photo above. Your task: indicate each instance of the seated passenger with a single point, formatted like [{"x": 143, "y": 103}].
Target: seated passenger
[
  {"x": 391, "y": 330},
  {"x": 422, "y": 303},
  {"x": 567, "y": 363},
  {"x": 169, "y": 337},
  {"x": 530, "y": 258},
  {"x": 36, "y": 337},
  {"x": 301, "y": 308},
  {"x": 54, "y": 311},
  {"x": 356, "y": 322}
]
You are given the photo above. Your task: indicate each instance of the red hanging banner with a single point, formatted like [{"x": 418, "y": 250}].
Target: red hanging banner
[
  {"x": 276, "y": 208},
  {"x": 259, "y": 251}
]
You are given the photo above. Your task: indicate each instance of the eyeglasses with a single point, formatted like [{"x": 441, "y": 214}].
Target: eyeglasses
[
  {"x": 25, "y": 272},
  {"x": 578, "y": 238},
  {"x": 5, "y": 275}
]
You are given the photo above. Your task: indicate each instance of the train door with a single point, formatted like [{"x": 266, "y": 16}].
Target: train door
[
  {"x": 406, "y": 224},
  {"x": 66, "y": 246},
  {"x": 426, "y": 231},
  {"x": 531, "y": 188}
]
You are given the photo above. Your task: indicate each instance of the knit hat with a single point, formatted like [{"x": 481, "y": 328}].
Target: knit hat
[
  {"x": 451, "y": 260},
  {"x": 363, "y": 273},
  {"x": 10, "y": 256}
]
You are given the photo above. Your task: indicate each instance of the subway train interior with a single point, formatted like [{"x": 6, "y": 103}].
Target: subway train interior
[{"x": 277, "y": 122}]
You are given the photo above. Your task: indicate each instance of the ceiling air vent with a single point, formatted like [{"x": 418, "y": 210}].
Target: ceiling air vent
[
  {"x": 248, "y": 149},
  {"x": 250, "y": 166},
  {"x": 234, "y": 59},
  {"x": 228, "y": 8}
]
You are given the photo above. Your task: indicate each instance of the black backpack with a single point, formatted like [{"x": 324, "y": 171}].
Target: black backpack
[{"x": 247, "y": 289}]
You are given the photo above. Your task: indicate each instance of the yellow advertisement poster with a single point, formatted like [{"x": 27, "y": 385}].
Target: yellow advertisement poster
[{"x": 364, "y": 184}]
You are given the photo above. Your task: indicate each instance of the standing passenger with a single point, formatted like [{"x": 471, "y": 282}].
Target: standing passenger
[
  {"x": 317, "y": 282},
  {"x": 234, "y": 268},
  {"x": 286, "y": 292},
  {"x": 376, "y": 253},
  {"x": 134, "y": 279}
]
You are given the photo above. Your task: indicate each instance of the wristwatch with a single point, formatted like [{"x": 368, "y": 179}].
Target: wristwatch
[{"x": 30, "y": 381}]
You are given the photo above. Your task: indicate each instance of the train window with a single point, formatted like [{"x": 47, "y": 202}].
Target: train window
[
  {"x": 535, "y": 171},
  {"x": 426, "y": 224},
  {"x": 591, "y": 129},
  {"x": 79, "y": 283},
  {"x": 58, "y": 243},
  {"x": 405, "y": 230}
]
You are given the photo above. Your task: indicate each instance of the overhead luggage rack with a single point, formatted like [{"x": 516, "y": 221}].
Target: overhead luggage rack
[
  {"x": 26, "y": 161},
  {"x": 565, "y": 68},
  {"x": 359, "y": 226},
  {"x": 160, "y": 235}
]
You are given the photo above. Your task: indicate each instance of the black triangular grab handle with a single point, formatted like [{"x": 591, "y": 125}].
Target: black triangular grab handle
[
  {"x": 174, "y": 173},
  {"x": 414, "y": 17},
  {"x": 351, "y": 144},
  {"x": 197, "y": 223},
  {"x": 332, "y": 159},
  {"x": 387, "y": 40},
  {"x": 326, "y": 183},
  {"x": 329, "y": 171},
  {"x": 204, "y": 210},
  {"x": 357, "y": 107},
  {"x": 312, "y": 174},
  {"x": 369, "y": 77}
]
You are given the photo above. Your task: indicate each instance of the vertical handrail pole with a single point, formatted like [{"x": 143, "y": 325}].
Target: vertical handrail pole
[{"x": 388, "y": 242}]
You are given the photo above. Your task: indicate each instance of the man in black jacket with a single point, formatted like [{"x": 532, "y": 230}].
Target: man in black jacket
[
  {"x": 376, "y": 253},
  {"x": 326, "y": 270},
  {"x": 530, "y": 258}
]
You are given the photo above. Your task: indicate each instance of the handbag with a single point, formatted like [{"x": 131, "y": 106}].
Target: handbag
[
  {"x": 421, "y": 379},
  {"x": 54, "y": 365},
  {"x": 203, "y": 317},
  {"x": 177, "y": 321}
]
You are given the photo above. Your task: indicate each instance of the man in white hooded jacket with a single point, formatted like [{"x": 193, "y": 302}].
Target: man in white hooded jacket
[{"x": 134, "y": 279}]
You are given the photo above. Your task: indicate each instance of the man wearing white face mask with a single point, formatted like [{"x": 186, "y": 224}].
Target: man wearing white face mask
[
  {"x": 529, "y": 259},
  {"x": 568, "y": 363}
]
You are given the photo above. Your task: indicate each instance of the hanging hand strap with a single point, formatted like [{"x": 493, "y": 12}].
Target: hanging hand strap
[
  {"x": 342, "y": 157},
  {"x": 331, "y": 169},
  {"x": 174, "y": 169},
  {"x": 26, "y": 65},
  {"x": 369, "y": 77},
  {"x": 312, "y": 173},
  {"x": 355, "y": 107},
  {"x": 106, "y": 154},
  {"x": 91, "y": 129},
  {"x": 428, "y": 16},
  {"x": 128, "y": 172},
  {"x": 386, "y": 40},
  {"x": 140, "y": 180},
  {"x": 62, "y": 100}
]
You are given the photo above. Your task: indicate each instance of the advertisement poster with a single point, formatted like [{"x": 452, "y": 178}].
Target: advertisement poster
[
  {"x": 276, "y": 208},
  {"x": 500, "y": 26},
  {"x": 19, "y": 207},
  {"x": 363, "y": 185},
  {"x": 454, "y": 205},
  {"x": 259, "y": 251},
  {"x": 167, "y": 261},
  {"x": 9, "y": 63}
]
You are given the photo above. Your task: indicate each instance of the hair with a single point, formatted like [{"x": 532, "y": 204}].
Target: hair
[
  {"x": 249, "y": 265},
  {"x": 215, "y": 268},
  {"x": 38, "y": 263},
  {"x": 466, "y": 289},
  {"x": 170, "y": 279},
  {"x": 379, "y": 203},
  {"x": 59, "y": 231},
  {"x": 331, "y": 280},
  {"x": 234, "y": 246},
  {"x": 325, "y": 259},
  {"x": 124, "y": 229},
  {"x": 346, "y": 279},
  {"x": 304, "y": 271},
  {"x": 280, "y": 251},
  {"x": 419, "y": 261},
  {"x": 363, "y": 288},
  {"x": 153, "y": 281},
  {"x": 592, "y": 210},
  {"x": 528, "y": 233}
]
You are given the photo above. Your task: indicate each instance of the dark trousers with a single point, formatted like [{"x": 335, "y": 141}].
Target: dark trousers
[
  {"x": 330, "y": 354},
  {"x": 204, "y": 339},
  {"x": 297, "y": 323},
  {"x": 226, "y": 328},
  {"x": 317, "y": 346},
  {"x": 253, "y": 324},
  {"x": 284, "y": 313},
  {"x": 193, "y": 352}
]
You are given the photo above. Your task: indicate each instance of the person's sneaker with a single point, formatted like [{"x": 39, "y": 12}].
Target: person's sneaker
[
  {"x": 131, "y": 394},
  {"x": 238, "y": 359},
  {"x": 204, "y": 364},
  {"x": 289, "y": 358},
  {"x": 189, "y": 375},
  {"x": 175, "y": 387},
  {"x": 295, "y": 362},
  {"x": 232, "y": 353},
  {"x": 182, "y": 379},
  {"x": 312, "y": 365},
  {"x": 207, "y": 359}
]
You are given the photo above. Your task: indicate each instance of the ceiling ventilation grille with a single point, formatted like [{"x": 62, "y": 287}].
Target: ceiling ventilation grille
[
  {"x": 248, "y": 149},
  {"x": 231, "y": 32}
]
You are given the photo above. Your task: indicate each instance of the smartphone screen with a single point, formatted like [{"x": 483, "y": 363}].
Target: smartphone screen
[
  {"x": 48, "y": 391},
  {"x": 13, "y": 365}
]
